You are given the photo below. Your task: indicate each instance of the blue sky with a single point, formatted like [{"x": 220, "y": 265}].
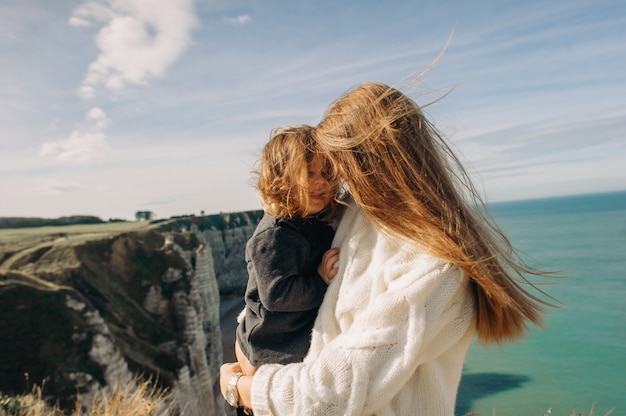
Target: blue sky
[{"x": 110, "y": 107}]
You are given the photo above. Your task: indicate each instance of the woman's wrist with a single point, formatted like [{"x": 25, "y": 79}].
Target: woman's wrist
[{"x": 244, "y": 386}]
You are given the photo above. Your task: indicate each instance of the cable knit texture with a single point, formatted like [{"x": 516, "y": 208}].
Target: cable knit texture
[{"x": 390, "y": 337}]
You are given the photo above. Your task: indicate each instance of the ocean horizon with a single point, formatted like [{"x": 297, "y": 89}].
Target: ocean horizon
[{"x": 577, "y": 361}]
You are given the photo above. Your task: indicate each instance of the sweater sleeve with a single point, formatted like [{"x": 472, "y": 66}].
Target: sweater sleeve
[
  {"x": 395, "y": 313},
  {"x": 278, "y": 257}
]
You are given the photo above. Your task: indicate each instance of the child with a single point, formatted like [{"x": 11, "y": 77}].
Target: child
[{"x": 288, "y": 257}]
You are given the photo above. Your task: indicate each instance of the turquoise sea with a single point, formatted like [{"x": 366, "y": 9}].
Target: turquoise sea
[{"x": 578, "y": 361}]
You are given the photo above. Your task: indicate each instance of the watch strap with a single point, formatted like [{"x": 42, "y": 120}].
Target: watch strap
[{"x": 232, "y": 396}]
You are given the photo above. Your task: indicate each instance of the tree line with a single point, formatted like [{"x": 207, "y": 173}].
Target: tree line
[{"x": 27, "y": 222}]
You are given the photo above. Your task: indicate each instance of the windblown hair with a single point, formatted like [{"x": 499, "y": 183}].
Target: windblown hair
[
  {"x": 410, "y": 183},
  {"x": 283, "y": 173}
]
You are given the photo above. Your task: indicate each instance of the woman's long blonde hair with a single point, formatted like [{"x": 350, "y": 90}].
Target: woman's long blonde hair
[
  {"x": 282, "y": 176},
  {"x": 410, "y": 183}
]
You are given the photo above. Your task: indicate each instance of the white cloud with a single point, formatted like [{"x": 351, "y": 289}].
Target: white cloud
[
  {"x": 91, "y": 9},
  {"x": 77, "y": 21},
  {"x": 81, "y": 148},
  {"x": 242, "y": 19},
  {"x": 98, "y": 118},
  {"x": 140, "y": 40},
  {"x": 86, "y": 144}
]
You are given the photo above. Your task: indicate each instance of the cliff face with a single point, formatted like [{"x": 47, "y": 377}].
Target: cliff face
[{"x": 79, "y": 315}]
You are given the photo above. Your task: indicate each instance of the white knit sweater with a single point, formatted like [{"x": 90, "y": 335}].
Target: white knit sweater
[{"x": 390, "y": 337}]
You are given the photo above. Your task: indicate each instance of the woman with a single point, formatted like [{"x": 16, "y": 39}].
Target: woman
[{"x": 422, "y": 272}]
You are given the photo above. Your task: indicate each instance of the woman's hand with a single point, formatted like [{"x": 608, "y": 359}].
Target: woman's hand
[
  {"x": 328, "y": 267},
  {"x": 243, "y": 385}
]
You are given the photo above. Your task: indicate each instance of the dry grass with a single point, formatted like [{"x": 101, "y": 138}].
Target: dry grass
[
  {"x": 142, "y": 399},
  {"x": 575, "y": 413},
  {"x": 549, "y": 413}
]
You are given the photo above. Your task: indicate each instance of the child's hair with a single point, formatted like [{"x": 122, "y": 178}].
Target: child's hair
[
  {"x": 410, "y": 183},
  {"x": 283, "y": 173}
]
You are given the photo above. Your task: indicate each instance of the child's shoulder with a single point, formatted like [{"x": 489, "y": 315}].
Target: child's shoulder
[{"x": 271, "y": 224}]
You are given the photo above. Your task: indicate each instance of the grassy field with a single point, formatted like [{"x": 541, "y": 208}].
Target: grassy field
[
  {"x": 16, "y": 240},
  {"x": 13, "y": 240},
  {"x": 12, "y": 235}
]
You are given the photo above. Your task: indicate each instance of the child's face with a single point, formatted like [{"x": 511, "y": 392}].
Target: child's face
[{"x": 319, "y": 195}]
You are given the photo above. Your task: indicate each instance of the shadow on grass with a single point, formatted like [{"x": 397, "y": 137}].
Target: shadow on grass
[{"x": 477, "y": 386}]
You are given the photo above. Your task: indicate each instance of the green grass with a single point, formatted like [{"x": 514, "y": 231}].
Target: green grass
[
  {"x": 22, "y": 241},
  {"x": 12, "y": 235},
  {"x": 16, "y": 240}
]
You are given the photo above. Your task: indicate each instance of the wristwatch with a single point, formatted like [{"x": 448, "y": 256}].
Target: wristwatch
[{"x": 232, "y": 397}]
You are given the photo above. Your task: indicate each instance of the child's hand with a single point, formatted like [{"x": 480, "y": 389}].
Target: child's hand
[{"x": 328, "y": 267}]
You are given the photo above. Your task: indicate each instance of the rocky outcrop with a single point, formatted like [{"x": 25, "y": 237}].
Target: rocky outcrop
[
  {"x": 81, "y": 314},
  {"x": 226, "y": 234},
  {"x": 228, "y": 248}
]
